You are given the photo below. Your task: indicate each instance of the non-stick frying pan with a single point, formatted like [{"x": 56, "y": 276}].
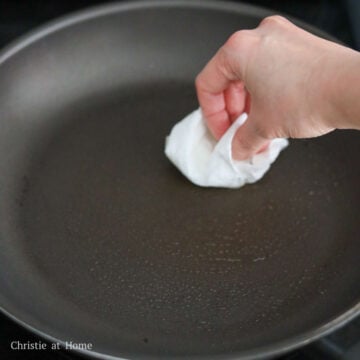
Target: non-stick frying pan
[{"x": 103, "y": 241}]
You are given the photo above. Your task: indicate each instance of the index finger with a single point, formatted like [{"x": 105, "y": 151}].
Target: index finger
[{"x": 224, "y": 68}]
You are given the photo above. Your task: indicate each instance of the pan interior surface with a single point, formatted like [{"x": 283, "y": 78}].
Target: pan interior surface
[{"x": 103, "y": 241}]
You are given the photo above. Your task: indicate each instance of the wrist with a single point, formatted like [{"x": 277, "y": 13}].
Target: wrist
[{"x": 343, "y": 91}]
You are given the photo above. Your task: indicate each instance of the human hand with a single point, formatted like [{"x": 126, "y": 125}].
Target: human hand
[{"x": 287, "y": 79}]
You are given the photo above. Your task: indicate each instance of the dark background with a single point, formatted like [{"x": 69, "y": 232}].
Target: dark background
[{"x": 340, "y": 18}]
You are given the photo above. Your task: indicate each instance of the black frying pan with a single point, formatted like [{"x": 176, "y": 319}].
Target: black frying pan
[{"x": 102, "y": 240}]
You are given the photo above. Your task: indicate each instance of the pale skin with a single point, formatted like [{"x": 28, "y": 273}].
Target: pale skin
[{"x": 293, "y": 84}]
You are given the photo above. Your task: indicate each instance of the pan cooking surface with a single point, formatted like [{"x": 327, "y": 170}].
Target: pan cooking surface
[
  {"x": 117, "y": 231},
  {"x": 115, "y": 247}
]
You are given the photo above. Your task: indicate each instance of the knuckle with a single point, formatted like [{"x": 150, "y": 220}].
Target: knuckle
[
  {"x": 273, "y": 20},
  {"x": 224, "y": 64},
  {"x": 238, "y": 39}
]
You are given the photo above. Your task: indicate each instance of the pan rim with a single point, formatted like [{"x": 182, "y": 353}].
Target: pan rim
[
  {"x": 86, "y": 14},
  {"x": 92, "y": 12}
]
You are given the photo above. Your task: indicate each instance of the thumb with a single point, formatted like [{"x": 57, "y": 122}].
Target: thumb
[{"x": 248, "y": 141}]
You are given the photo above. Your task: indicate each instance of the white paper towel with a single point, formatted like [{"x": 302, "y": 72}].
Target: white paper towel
[{"x": 206, "y": 162}]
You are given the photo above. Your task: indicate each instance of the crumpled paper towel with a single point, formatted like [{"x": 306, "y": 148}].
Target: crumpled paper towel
[{"x": 206, "y": 162}]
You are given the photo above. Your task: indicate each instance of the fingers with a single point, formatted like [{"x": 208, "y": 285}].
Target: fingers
[
  {"x": 227, "y": 66},
  {"x": 235, "y": 97},
  {"x": 210, "y": 86},
  {"x": 248, "y": 141}
]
